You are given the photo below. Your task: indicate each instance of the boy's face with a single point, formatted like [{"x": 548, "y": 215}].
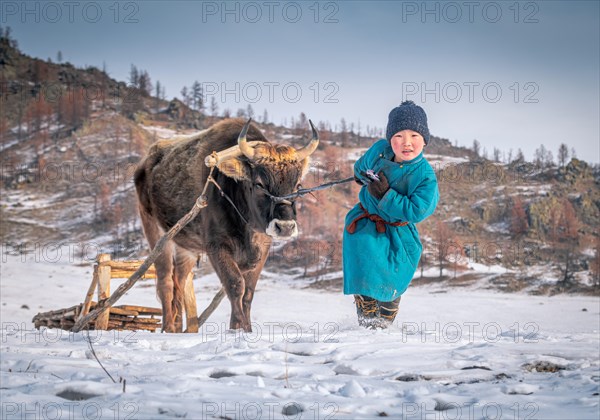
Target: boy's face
[{"x": 407, "y": 145}]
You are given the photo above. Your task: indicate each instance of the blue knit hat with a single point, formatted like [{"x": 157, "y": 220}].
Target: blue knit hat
[{"x": 407, "y": 116}]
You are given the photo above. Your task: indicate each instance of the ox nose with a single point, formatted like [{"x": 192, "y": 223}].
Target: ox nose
[{"x": 282, "y": 229}]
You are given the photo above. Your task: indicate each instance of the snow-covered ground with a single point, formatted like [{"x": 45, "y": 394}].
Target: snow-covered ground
[{"x": 456, "y": 354}]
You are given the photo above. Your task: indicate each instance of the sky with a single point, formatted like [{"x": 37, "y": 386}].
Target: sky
[{"x": 509, "y": 74}]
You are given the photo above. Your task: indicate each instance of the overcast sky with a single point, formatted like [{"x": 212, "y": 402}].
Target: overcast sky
[{"x": 511, "y": 75}]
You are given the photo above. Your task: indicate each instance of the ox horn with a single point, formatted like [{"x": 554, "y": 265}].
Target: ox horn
[
  {"x": 308, "y": 150},
  {"x": 243, "y": 144}
]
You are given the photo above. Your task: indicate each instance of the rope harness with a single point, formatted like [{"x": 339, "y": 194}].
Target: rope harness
[{"x": 275, "y": 200}]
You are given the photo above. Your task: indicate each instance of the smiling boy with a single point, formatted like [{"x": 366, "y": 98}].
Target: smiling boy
[{"x": 381, "y": 245}]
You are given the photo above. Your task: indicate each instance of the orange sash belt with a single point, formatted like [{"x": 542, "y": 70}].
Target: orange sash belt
[{"x": 379, "y": 222}]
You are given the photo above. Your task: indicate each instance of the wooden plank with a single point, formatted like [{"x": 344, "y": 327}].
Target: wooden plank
[
  {"x": 142, "y": 310},
  {"x": 90, "y": 293},
  {"x": 126, "y": 265},
  {"x": 214, "y": 304},
  {"x": 103, "y": 289},
  {"x": 56, "y": 312},
  {"x": 191, "y": 310},
  {"x": 121, "y": 311},
  {"x": 125, "y": 274},
  {"x": 129, "y": 319},
  {"x": 145, "y": 321}
]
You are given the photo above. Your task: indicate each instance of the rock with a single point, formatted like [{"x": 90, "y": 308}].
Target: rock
[{"x": 292, "y": 409}]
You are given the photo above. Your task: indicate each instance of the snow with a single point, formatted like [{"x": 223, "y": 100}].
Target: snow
[
  {"x": 465, "y": 354},
  {"x": 441, "y": 161},
  {"x": 161, "y": 132},
  {"x": 500, "y": 227},
  {"x": 354, "y": 154}
]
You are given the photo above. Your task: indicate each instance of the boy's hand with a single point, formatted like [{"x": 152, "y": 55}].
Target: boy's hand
[
  {"x": 358, "y": 181},
  {"x": 378, "y": 188}
]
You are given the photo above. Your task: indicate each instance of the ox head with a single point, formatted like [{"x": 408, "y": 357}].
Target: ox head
[{"x": 267, "y": 171}]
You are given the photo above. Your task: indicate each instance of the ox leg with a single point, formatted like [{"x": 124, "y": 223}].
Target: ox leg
[
  {"x": 165, "y": 286},
  {"x": 251, "y": 278},
  {"x": 184, "y": 263},
  {"x": 164, "y": 270},
  {"x": 233, "y": 282}
]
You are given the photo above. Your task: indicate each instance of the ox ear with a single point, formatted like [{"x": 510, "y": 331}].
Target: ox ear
[
  {"x": 236, "y": 168},
  {"x": 305, "y": 166}
]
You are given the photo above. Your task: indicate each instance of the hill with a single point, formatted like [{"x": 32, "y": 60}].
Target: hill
[{"x": 71, "y": 137}]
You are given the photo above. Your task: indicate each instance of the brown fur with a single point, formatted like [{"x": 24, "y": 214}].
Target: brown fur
[{"x": 168, "y": 181}]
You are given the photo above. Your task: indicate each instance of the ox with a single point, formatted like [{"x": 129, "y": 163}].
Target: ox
[{"x": 170, "y": 178}]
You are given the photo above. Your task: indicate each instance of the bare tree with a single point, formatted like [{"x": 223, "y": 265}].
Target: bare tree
[
  {"x": 442, "y": 238},
  {"x": 510, "y": 156},
  {"x": 496, "y": 154},
  {"x": 519, "y": 223},
  {"x": 564, "y": 234},
  {"x": 476, "y": 147},
  {"x": 563, "y": 155},
  {"x": 596, "y": 263},
  {"x": 343, "y": 132}
]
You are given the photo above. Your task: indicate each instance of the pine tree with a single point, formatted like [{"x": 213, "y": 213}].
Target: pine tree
[
  {"x": 144, "y": 83},
  {"x": 197, "y": 96},
  {"x": 157, "y": 93},
  {"x": 214, "y": 108},
  {"x": 185, "y": 96},
  {"x": 519, "y": 157},
  {"x": 134, "y": 76}
]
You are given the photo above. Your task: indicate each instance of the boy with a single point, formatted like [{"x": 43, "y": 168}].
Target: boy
[{"x": 381, "y": 246}]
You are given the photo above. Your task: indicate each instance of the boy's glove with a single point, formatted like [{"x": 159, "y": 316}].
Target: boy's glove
[{"x": 378, "y": 188}]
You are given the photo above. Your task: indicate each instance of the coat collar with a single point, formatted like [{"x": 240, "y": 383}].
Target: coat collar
[{"x": 388, "y": 154}]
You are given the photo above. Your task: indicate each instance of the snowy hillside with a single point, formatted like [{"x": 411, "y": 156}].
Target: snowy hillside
[{"x": 460, "y": 354}]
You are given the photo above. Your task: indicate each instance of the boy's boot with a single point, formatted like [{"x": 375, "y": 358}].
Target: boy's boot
[
  {"x": 367, "y": 310},
  {"x": 388, "y": 312}
]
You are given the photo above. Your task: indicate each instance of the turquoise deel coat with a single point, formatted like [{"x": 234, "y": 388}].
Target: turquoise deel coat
[{"x": 381, "y": 265}]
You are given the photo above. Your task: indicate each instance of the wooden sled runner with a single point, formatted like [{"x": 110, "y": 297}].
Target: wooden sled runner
[{"x": 123, "y": 317}]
